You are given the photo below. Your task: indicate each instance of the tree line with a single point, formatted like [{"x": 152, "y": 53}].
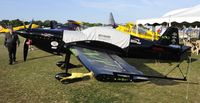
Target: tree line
[{"x": 46, "y": 23}]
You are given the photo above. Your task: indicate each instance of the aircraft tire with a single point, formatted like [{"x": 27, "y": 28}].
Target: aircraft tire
[{"x": 59, "y": 76}]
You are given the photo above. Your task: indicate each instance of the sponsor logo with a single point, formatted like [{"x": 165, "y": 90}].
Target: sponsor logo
[
  {"x": 47, "y": 35},
  {"x": 104, "y": 37},
  {"x": 53, "y": 47},
  {"x": 54, "y": 44},
  {"x": 174, "y": 37},
  {"x": 136, "y": 41}
]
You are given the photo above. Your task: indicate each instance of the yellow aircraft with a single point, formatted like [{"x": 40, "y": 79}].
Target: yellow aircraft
[
  {"x": 3, "y": 30},
  {"x": 130, "y": 28}
]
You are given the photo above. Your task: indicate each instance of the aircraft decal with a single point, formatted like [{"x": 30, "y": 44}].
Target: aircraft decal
[
  {"x": 54, "y": 44},
  {"x": 136, "y": 41},
  {"x": 174, "y": 37},
  {"x": 104, "y": 37},
  {"x": 158, "y": 49},
  {"x": 47, "y": 35}
]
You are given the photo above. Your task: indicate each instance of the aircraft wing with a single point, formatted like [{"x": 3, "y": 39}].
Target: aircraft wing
[
  {"x": 3, "y": 30},
  {"x": 106, "y": 66}
]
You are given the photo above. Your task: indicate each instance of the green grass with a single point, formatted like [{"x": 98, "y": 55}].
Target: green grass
[{"x": 33, "y": 82}]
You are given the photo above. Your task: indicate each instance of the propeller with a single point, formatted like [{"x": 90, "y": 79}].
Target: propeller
[
  {"x": 27, "y": 42},
  {"x": 24, "y": 25},
  {"x": 30, "y": 25},
  {"x": 25, "y": 50}
]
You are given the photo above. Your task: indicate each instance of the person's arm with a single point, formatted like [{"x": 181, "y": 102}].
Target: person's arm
[
  {"x": 5, "y": 41},
  {"x": 18, "y": 41}
]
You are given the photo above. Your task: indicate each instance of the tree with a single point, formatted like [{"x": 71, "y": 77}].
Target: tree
[
  {"x": 39, "y": 22},
  {"x": 91, "y": 24},
  {"x": 15, "y": 23},
  {"x": 46, "y": 23},
  {"x": 4, "y": 23}
]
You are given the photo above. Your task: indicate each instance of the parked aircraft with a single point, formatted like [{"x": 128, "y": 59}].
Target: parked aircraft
[
  {"x": 4, "y": 30},
  {"x": 130, "y": 28},
  {"x": 100, "y": 50},
  {"x": 70, "y": 25}
]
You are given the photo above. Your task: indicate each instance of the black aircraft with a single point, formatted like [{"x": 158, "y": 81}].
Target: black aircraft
[
  {"x": 100, "y": 50},
  {"x": 70, "y": 25}
]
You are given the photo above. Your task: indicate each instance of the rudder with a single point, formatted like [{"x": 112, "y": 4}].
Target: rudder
[{"x": 170, "y": 37}]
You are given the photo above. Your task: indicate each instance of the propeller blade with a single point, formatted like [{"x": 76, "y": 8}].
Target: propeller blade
[
  {"x": 30, "y": 25},
  {"x": 24, "y": 25},
  {"x": 26, "y": 46}
]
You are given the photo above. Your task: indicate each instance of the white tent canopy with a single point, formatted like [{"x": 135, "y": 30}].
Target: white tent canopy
[{"x": 189, "y": 15}]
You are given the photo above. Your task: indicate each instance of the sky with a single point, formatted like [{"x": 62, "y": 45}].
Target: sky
[{"x": 94, "y": 11}]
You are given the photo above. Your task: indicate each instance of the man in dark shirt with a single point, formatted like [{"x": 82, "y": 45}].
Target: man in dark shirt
[{"x": 11, "y": 42}]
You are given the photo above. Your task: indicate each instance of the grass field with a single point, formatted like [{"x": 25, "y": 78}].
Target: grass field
[{"x": 33, "y": 82}]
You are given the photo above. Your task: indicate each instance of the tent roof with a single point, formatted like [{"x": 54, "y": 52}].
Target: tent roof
[
  {"x": 188, "y": 15},
  {"x": 185, "y": 12},
  {"x": 173, "y": 12},
  {"x": 168, "y": 19}
]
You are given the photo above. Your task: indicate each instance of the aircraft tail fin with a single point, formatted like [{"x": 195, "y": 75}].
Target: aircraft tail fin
[
  {"x": 74, "y": 25},
  {"x": 112, "y": 21},
  {"x": 170, "y": 36},
  {"x": 53, "y": 24}
]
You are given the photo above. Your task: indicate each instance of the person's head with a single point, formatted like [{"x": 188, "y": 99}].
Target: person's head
[{"x": 10, "y": 30}]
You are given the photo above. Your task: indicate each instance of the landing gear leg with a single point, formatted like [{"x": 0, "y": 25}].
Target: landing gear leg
[
  {"x": 67, "y": 60},
  {"x": 59, "y": 76}
]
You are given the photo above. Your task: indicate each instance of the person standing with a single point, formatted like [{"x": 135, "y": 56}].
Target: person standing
[{"x": 11, "y": 42}]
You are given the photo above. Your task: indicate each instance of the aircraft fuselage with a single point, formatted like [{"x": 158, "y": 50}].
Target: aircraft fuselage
[{"x": 51, "y": 40}]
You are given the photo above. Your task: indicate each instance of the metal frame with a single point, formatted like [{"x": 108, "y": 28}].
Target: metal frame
[{"x": 172, "y": 78}]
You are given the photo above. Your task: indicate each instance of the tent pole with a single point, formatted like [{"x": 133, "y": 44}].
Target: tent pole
[
  {"x": 136, "y": 28},
  {"x": 169, "y": 21}
]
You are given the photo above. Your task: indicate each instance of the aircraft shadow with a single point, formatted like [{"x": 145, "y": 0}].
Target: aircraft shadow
[
  {"x": 139, "y": 64},
  {"x": 171, "y": 61},
  {"x": 73, "y": 66},
  {"x": 30, "y": 59},
  {"x": 193, "y": 60}
]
